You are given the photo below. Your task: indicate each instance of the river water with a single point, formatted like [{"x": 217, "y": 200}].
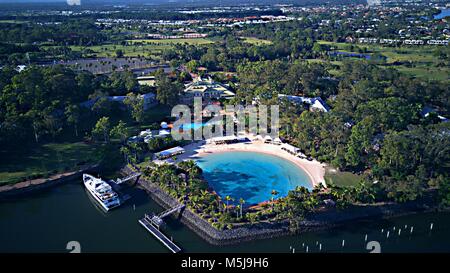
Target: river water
[
  {"x": 48, "y": 220},
  {"x": 444, "y": 13}
]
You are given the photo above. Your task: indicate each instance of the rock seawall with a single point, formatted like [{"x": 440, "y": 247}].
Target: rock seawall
[{"x": 328, "y": 218}]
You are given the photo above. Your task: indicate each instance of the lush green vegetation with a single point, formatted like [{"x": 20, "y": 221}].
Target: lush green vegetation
[
  {"x": 375, "y": 133},
  {"x": 426, "y": 62},
  {"x": 44, "y": 160},
  {"x": 46, "y": 127},
  {"x": 342, "y": 179},
  {"x": 147, "y": 48},
  {"x": 184, "y": 182},
  {"x": 255, "y": 41}
]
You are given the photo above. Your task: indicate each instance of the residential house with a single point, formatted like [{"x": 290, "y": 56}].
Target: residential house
[
  {"x": 315, "y": 104},
  {"x": 207, "y": 89}
]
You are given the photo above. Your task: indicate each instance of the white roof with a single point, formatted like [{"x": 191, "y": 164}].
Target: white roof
[
  {"x": 267, "y": 137},
  {"x": 224, "y": 138},
  {"x": 164, "y": 132},
  {"x": 277, "y": 139},
  {"x": 170, "y": 151},
  {"x": 291, "y": 148},
  {"x": 146, "y": 133}
]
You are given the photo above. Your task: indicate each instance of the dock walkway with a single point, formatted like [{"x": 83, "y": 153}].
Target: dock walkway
[{"x": 145, "y": 222}]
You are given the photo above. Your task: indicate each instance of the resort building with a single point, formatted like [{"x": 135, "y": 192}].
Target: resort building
[
  {"x": 223, "y": 140},
  {"x": 315, "y": 104},
  {"x": 146, "y": 80},
  {"x": 437, "y": 42},
  {"x": 169, "y": 153},
  {"x": 183, "y": 36},
  {"x": 148, "y": 134},
  {"x": 413, "y": 42},
  {"x": 149, "y": 100},
  {"x": 208, "y": 89},
  {"x": 227, "y": 139},
  {"x": 427, "y": 110}
]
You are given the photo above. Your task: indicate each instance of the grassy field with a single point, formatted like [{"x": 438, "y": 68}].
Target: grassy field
[
  {"x": 342, "y": 179},
  {"x": 109, "y": 50},
  {"x": 424, "y": 62},
  {"x": 138, "y": 48},
  {"x": 46, "y": 159},
  {"x": 12, "y": 22},
  {"x": 255, "y": 41}
]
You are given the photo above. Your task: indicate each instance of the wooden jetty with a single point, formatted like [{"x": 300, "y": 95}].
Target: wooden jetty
[
  {"x": 146, "y": 223},
  {"x": 125, "y": 179},
  {"x": 152, "y": 224}
]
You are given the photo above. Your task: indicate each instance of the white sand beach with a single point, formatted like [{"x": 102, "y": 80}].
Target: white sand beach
[{"x": 314, "y": 169}]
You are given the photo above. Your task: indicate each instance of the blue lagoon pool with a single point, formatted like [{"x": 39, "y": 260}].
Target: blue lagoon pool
[{"x": 251, "y": 175}]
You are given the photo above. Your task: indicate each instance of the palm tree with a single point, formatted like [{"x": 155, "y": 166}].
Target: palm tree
[
  {"x": 241, "y": 202},
  {"x": 274, "y": 192},
  {"x": 190, "y": 167},
  {"x": 237, "y": 211},
  {"x": 195, "y": 201},
  {"x": 228, "y": 199},
  {"x": 125, "y": 151}
]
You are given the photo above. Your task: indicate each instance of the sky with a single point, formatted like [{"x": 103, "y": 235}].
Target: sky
[
  {"x": 124, "y": 1},
  {"x": 149, "y": 1}
]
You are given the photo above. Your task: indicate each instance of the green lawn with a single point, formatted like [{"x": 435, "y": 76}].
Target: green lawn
[
  {"x": 423, "y": 58},
  {"x": 255, "y": 41},
  {"x": 109, "y": 50},
  {"x": 430, "y": 72},
  {"x": 138, "y": 48},
  {"x": 46, "y": 159},
  {"x": 12, "y": 22},
  {"x": 342, "y": 179}
]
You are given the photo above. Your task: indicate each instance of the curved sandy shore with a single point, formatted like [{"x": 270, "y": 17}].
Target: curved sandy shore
[{"x": 314, "y": 169}]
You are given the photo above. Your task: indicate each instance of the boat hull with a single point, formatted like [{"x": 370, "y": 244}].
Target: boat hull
[{"x": 105, "y": 207}]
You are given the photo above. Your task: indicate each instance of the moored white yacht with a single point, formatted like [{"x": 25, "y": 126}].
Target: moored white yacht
[{"x": 101, "y": 191}]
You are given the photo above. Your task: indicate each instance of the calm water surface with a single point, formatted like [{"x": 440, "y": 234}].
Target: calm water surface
[
  {"x": 444, "y": 13},
  {"x": 251, "y": 176},
  {"x": 47, "y": 221}
]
